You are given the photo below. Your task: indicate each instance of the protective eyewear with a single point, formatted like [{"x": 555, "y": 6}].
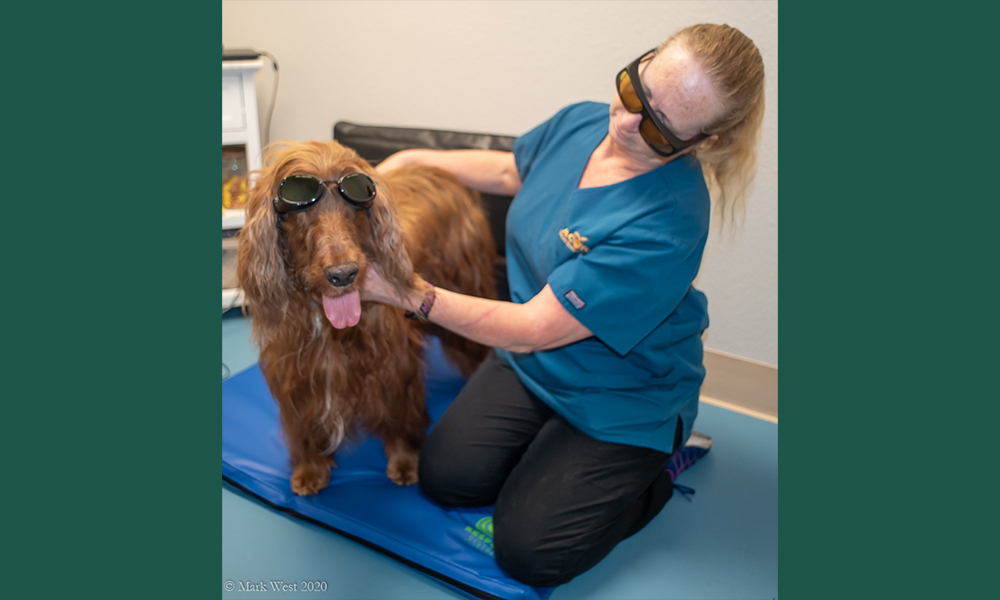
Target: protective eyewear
[
  {"x": 299, "y": 192},
  {"x": 652, "y": 130}
]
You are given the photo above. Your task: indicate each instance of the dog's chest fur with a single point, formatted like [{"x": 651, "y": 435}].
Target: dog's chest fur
[{"x": 347, "y": 368}]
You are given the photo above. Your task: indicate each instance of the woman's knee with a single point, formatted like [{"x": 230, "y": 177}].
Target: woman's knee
[
  {"x": 450, "y": 477},
  {"x": 523, "y": 551}
]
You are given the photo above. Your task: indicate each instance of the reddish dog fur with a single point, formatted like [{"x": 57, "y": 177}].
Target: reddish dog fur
[{"x": 333, "y": 383}]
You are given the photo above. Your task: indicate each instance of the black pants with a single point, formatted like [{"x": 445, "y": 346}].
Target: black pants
[{"x": 563, "y": 499}]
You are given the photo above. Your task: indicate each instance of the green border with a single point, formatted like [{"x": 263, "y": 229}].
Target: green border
[
  {"x": 112, "y": 434},
  {"x": 887, "y": 415},
  {"x": 112, "y": 385}
]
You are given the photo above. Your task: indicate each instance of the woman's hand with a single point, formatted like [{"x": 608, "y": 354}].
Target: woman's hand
[
  {"x": 374, "y": 288},
  {"x": 393, "y": 161}
]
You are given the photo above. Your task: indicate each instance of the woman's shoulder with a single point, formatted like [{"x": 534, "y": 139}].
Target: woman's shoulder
[
  {"x": 589, "y": 106},
  {"x": 683, "y": 176},
  {"x": 671, "y": 203},
  {"x": 576, "y": 125},
  {"x": 587, "y": 110},
  {"x": 689, "y": 207},
  {"x": 579, "y": 113}
]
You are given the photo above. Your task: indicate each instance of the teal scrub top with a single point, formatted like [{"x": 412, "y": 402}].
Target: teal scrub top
[{"x": 621, "y": 259}]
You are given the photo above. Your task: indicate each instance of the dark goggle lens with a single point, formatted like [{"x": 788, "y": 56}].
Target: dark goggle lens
[
  {"x": 299, "y": 189},
  {"x": 357, "y": 188},
  {"x": 299, "y": 192}
]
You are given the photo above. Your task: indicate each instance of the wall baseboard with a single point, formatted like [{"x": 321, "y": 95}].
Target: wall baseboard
[{"x": 741, "y": 384}]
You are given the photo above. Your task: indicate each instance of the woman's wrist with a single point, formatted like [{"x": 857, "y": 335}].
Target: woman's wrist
[{"x": 420, "y": 301}]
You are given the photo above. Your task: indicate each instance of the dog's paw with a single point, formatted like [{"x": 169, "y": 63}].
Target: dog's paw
[
  {"x": 307, "y": 479},
  {"x": 402, "y": 469}
]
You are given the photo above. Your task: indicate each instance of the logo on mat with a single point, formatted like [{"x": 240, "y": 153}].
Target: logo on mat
[
  {"x": 574, "y": 299},
  {"x": 480, "y": 537},
  {"x": 574, "y": 241}
]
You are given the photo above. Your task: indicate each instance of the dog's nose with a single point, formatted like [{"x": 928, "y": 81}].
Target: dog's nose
[{"x": 342, "y": 274}]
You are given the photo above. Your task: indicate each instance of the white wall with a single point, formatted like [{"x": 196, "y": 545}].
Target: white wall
[{"x": 503, "y": 67}]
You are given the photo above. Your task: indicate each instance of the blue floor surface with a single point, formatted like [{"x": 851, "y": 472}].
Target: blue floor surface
[{"x": 723, "y": 544}]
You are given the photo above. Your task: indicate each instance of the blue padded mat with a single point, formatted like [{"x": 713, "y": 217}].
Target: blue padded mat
[
  {"x": 452, "y": 545},
  {"x": 722, "y": 544}
]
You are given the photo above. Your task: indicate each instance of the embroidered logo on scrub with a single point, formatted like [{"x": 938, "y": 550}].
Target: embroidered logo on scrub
[
  {"x": 481, "y": 537},
  {"x": 574, "y": 241},
  {"x": 574, "y": 299}
]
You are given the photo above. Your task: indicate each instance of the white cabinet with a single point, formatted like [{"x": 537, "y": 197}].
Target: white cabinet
[
  {"x": 240, "y": 126},
  {"x": 240, "y": 137}
]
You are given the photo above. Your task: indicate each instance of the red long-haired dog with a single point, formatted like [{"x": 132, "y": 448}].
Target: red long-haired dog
[{"x": 331, "y": 382}]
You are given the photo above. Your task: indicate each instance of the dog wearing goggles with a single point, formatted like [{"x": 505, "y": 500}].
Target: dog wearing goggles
[{"x": 318, "y": 218}]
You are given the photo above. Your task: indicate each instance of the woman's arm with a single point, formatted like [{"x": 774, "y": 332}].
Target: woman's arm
[
  {"x": 541, "y": 323},
  {"x": 490, "y": 171}
]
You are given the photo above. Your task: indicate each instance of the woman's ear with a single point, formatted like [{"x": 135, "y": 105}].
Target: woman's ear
[
  {"x": 260, "y": 263},
  {"x": 701, "y": 144}
]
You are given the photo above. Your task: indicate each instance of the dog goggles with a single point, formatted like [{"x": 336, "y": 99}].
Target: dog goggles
[
  {"x": 653, "y": 131},
  {"x": 299, "y": 192}
]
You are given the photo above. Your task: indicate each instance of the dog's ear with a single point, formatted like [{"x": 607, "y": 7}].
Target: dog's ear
[
  {"x": 387, "y": 244},
  {"x": 260, "y": 262}
]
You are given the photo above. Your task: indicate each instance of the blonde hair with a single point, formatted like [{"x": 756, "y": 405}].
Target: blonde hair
[{"x": 735, "y": 66}]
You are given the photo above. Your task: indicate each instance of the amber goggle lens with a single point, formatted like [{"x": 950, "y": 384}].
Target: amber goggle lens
[
  {"x": 630, "y": 99},
  {"x": 652, "y": 135},
  {"x": 632, "y": 103}
]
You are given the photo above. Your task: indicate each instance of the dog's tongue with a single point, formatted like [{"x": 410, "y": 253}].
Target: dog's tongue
[{"x": 344, "y": 311}]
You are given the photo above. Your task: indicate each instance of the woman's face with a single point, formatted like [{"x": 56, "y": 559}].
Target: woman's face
[{"x": 680, "y": 93}]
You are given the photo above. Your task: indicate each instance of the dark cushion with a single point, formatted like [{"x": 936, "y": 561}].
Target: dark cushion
[{"x": 374, "y": 144}]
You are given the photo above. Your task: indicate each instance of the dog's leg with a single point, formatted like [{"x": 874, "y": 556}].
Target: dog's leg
[
  {"x": 306, "y": 436},
  {"x": 311, "y": 476},
  {"x": 402, "y": 446},
  {"x": 310, "y": 465},
  {"x": 313, "y": 458},
  {"x": 404, "y": 434},
  {"x": 403, "y": 457}
]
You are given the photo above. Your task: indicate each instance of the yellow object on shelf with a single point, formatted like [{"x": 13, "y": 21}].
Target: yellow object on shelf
[{"x": 234, "y": 193}]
